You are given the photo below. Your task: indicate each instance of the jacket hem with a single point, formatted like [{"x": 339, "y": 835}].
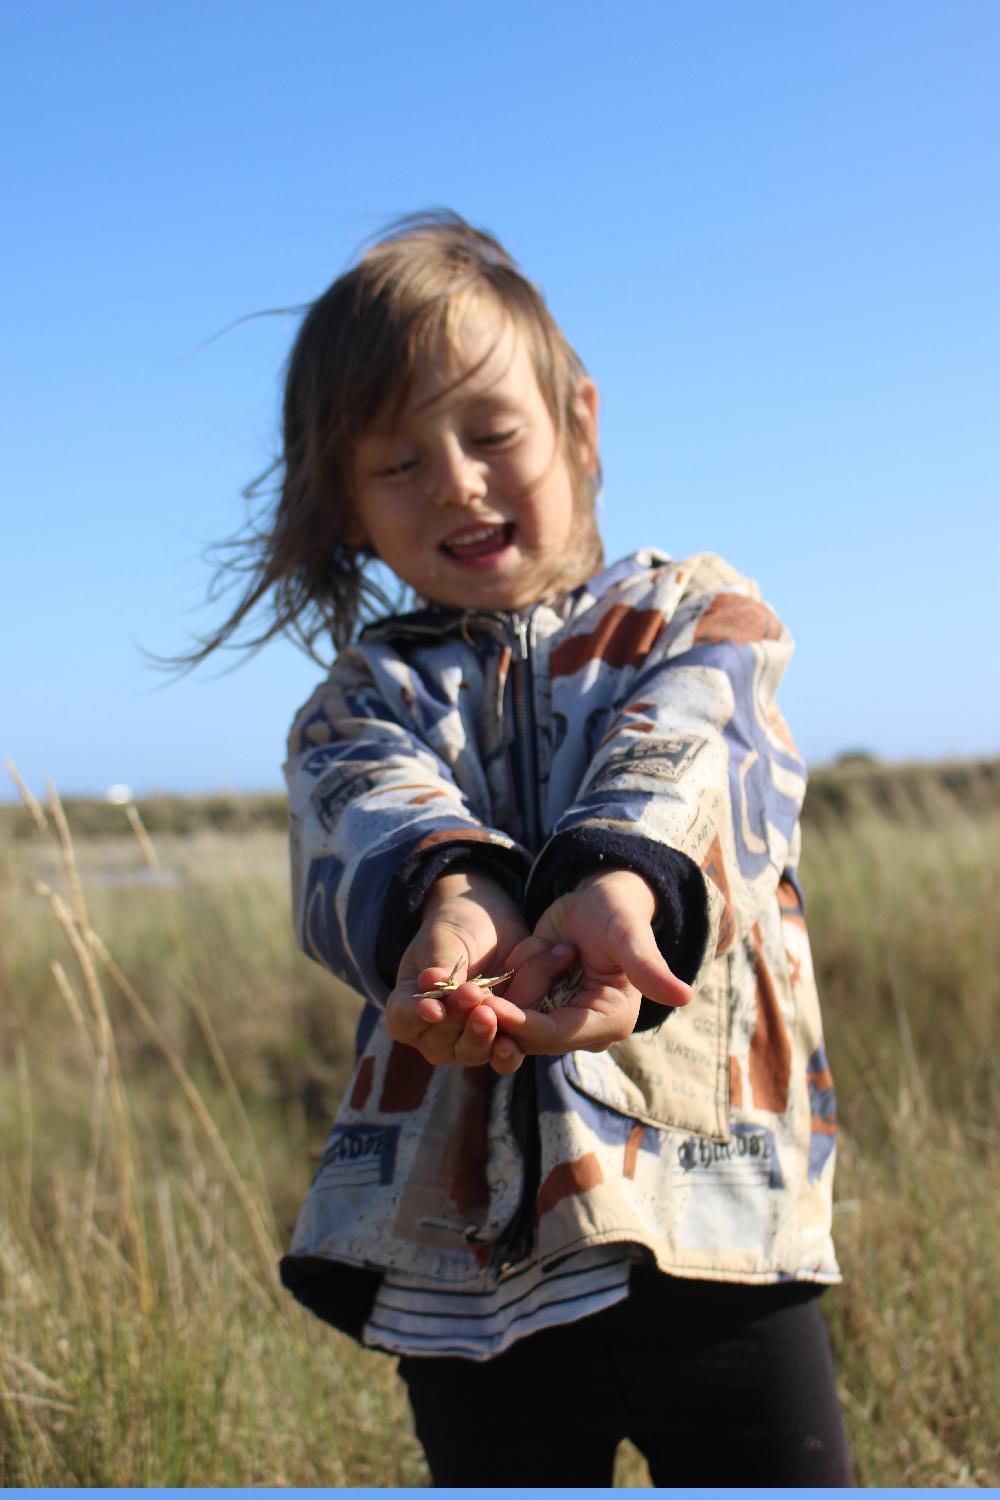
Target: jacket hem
[{"x": 342, "y": 1293}]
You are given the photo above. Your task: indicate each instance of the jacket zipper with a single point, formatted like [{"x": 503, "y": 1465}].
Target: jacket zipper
[
  {"x": 514, "y": 1245},
  {"x": 525, "y": 747}
]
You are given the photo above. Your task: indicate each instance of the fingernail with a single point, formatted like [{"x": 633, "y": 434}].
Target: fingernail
[{"x": 561, "y": 950}]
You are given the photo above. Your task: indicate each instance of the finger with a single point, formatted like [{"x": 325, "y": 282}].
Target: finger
[
  {"x": 506, "y": 1056},
  {"x": 538, "y": 967},
  {"x": 648, "y": 970},
  {"x": 595, "y": 1020},
  {"x": 464, "y": 992},
  {"x": 432, "y": 1026},
  {"x": 443, "y": 972},
  {"x": 458, "y": 1010},
  {"x": 510, "y": 1016},
  {"x": 531, "y": 1032},
  {"x": 529, "y": 947},
  {"x": 466, "y": 996},
  {"x": 405, "y": 1017},
  {"x": 430, "y": 1009},
  {"x": 474, "y": 1045}
]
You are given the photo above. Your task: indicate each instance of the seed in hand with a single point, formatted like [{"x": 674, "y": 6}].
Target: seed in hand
[{"x": 485, "y": 982}]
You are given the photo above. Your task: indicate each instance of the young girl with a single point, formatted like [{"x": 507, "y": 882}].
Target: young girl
[{"x": 591, "y": 1200}]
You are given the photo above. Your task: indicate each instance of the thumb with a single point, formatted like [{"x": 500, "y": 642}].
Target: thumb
[
  {"x": 648, "y": 970},
  {"x": 436, "y": 947}
]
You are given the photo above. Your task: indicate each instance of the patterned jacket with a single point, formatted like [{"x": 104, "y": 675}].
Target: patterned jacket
[{"x": 632, "y": 723}]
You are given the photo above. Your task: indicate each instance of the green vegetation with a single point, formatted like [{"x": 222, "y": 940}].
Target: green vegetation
[
  {"x": 169, "y": 1064},
  {"x": 857, "y": 781}
]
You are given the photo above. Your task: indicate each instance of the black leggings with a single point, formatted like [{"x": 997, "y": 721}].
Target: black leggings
[{"x": 715, "y": 1384}]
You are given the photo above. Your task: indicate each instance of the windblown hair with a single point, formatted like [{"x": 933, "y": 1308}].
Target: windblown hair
[{"x": 352, "y": 366}]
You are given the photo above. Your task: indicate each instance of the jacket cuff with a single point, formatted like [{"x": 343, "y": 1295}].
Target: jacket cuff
[
  {"x": 409, "y": 887},
  {"x": 681, "y": 925}
]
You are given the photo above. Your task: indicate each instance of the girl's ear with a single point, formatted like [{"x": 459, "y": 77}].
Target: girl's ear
[{"x": 586, "y": 405}]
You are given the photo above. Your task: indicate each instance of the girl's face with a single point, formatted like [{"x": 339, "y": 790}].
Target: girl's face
[{"x": 469, "y": 498}]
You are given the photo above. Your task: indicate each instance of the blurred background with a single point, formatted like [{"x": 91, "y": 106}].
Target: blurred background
[{"x": 771, "y": 230}]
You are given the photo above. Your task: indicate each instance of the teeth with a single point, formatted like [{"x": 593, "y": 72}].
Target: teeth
[{"x": 471, "y": 538}]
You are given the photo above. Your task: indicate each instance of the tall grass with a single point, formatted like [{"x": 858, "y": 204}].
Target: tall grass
[
  {"x": 903, "y": 913},
  {"x": 144, "y": 1198},
  {"x": 168, "y": 1066}
]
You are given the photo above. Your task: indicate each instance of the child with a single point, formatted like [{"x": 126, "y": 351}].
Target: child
[{"x": 593, "y": 1201}]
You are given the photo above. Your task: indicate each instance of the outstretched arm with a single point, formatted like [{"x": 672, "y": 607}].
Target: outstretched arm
[
  {"x": 695, "y": 783},
  {"x": 377, "y": 818}
]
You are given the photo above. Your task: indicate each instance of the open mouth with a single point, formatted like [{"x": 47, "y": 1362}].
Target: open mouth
[{"x": 479, "y": 541}]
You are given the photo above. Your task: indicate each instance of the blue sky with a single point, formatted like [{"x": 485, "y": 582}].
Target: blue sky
[{"x": 771, "y": 229}]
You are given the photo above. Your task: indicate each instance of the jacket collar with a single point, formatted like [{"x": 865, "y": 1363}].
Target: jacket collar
[{"x": 429, "y": 621}]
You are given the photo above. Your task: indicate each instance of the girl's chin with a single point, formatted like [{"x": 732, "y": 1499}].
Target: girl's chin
[
  {"x": 504, "y": 579},
  {"x": 482, "y": 588}
]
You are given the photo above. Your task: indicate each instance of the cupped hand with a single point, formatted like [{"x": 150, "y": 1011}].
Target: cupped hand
[
  {"x": 470, "y": 925},
  {"x": 606, "y": 921}
]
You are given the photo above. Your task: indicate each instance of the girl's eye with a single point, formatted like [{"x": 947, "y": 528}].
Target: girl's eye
[
  {"x": 497, "y": 439},
  {"x": 392, "y": 471}
]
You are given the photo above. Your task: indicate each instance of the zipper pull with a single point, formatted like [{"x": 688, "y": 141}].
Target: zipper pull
[
  {"x": 503, "y": 670},
  {"x": 520, "y": 625}
]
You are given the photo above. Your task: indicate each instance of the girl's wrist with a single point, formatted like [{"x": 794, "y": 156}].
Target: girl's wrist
[
  {"x": 468, "y": 881},
  {"x": 627, "y": 884}
]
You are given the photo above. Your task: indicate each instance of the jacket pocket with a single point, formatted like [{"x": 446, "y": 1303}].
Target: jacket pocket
[{"x": 675, "y": 1077}]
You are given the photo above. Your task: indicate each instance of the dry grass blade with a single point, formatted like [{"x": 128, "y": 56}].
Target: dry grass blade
[
  {"x": 69, "y": 859},
  {"x": 194, "y": 996},
  {"x": 171, "y": 1252},
  {"x": 263, "y": 1231},
  {"x": 76, "y": 935},
  {"x": 560, "y": 992},
  {"x": 107, "y": 1057},
  {"x": 27, "y": 1115},
  {"x": 25, "y": 1367},
  {"x": 27, "y": 797},
  {"x": 17, "y": 1268},
  {"x": 250, "y": 1283},
  {"x": 28, "y": 1400},
  {"x": 443, "y": 986},
  {"x": 145, "y": 843},
  {"x": 75, "y": 1009}
]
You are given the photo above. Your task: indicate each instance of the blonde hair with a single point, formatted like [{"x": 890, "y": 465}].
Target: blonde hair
[{"x": 352, "y": 364}]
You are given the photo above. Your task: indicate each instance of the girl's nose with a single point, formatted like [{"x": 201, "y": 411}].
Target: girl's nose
[{"x": 458, "y": 478}]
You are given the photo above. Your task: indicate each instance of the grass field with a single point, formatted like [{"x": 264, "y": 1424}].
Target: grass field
[{"x": 169, "y": 1064}]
